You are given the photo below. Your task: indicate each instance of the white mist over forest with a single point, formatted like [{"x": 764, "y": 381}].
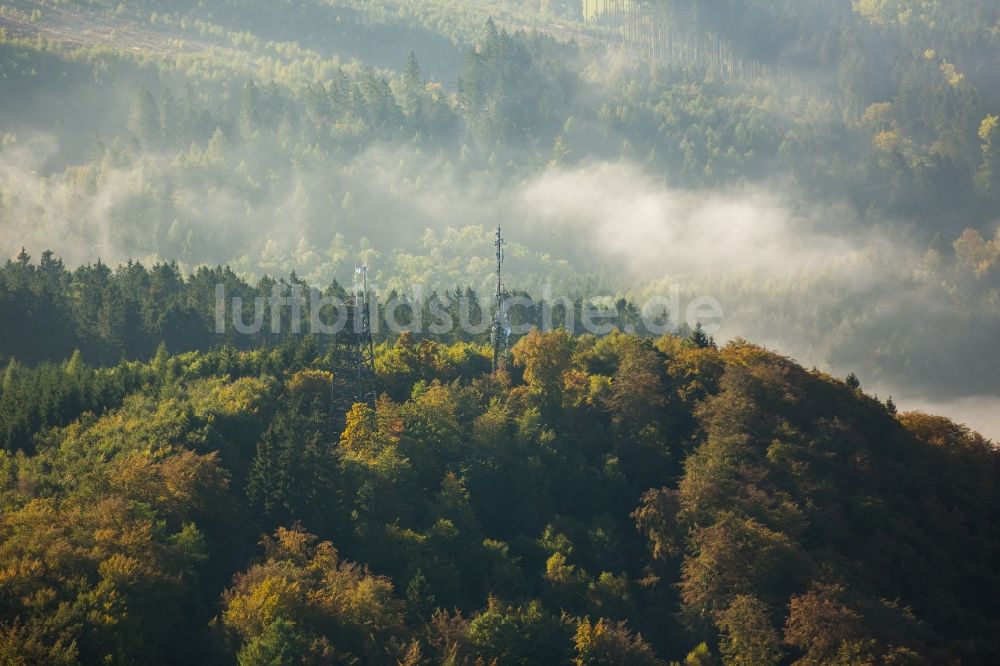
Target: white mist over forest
[
  {"x": 803, "y": 201},
  {"x": 775, "y": 260}
]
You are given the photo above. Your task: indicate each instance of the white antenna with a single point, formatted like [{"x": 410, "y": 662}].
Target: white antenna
[{"x": 362, "y": 270}]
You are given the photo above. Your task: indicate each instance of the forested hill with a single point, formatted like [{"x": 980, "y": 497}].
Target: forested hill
[
  {"x": 829, "y": 171},
  {"x": 606, "y": 501},
  {"x": 853, "y": 145}
]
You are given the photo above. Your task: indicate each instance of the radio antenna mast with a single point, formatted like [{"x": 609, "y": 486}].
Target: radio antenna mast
[
  {"x": 501, "y": 325},
  {"x": 354, "y": 354}
]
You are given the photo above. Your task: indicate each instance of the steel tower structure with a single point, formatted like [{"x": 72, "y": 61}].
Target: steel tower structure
[
  {"x": 353, "y": 363},
  {"x": 500, "y": 334}
]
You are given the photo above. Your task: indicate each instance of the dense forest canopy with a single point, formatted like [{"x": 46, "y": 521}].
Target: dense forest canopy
[
  {"x": 615, "y": 500},
  {"x": 173, "y": 492}
]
